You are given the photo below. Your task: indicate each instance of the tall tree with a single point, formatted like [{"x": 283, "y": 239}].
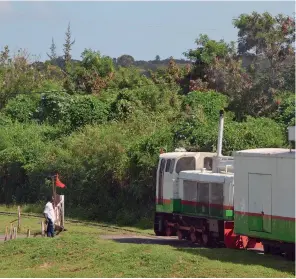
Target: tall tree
[
  {"x": 69, "y": 84},
  {"x": 261, "y": 33},
  {"x": 270, "y": 39},
  {"x": 68, "y": 46},
  {"x": 4, "y": 56},
  {"x": 206, "y": 52},
  {"x": 53, "y": 55}
]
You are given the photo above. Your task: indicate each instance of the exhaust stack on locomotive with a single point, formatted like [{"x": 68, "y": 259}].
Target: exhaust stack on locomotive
[
  {"x": 220, "y": 135},
  {"x": 221, "y": 163}
]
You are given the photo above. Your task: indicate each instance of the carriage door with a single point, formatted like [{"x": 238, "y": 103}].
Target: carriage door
[
  {"x": 260, "y": 186},
  {"x": 203, "y": 198},
  {"x": 160, "y": 181}
]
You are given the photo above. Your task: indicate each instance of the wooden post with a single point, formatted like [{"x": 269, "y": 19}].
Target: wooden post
[
  {"x": 63, "y": 212},
  {"x": 19, "y": 218},
  {"x": 15, "y": 232},
  {"x": 6, "y": 233},
  {"x": 42, "y": 228},
  {"x": 11, "y": 228},
  {"x": 28, "y": 233},
  {"x": 54, "y": 191},
  {"x": 52, "y": 182}
]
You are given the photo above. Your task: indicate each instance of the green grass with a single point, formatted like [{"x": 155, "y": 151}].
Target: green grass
[
  {"x": 80, "y": 252},
  {"x": 34, "y": 223}
]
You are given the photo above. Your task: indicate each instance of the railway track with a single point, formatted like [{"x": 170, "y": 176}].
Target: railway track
[{"x": 110, "y": 228}]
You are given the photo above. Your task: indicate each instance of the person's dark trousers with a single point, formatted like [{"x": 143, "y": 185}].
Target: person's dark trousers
[{"x": 50, "y": 229}]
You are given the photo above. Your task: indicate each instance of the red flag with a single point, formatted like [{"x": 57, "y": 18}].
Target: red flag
[{"x": 59, "y": 183}]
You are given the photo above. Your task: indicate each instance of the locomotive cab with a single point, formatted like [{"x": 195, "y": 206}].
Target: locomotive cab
[{"x": 167, "y": 178}]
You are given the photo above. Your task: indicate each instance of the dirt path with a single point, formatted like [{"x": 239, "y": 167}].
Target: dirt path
[{"x": 140, "y": 239}]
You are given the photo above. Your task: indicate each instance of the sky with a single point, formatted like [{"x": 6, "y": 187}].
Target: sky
[{"x": 140, "y": 29}]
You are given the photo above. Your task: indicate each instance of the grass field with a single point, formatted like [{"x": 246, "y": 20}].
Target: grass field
[{"x": 80, "y": 252}]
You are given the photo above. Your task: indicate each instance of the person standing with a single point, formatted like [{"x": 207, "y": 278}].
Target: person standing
[{"x": 49, "y": 216}]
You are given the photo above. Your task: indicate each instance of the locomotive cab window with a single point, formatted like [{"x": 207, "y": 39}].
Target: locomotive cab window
[
  {"x": 168, "y": 165},
  {"x": 185, "y": 163},
  {"x": 172, "y": 165},
  {"x": 208, "y": 163}
]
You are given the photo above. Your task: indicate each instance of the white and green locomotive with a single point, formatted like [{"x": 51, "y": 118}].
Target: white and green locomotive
[{"x": 245, "y": 201}]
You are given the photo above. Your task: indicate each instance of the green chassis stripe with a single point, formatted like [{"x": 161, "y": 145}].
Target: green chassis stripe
[
  {"x": 195, "y": 209},
  {"x": 265, "y": 227}
]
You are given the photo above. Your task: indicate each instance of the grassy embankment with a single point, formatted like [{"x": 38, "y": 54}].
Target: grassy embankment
[{"x": 80, "y": 252}]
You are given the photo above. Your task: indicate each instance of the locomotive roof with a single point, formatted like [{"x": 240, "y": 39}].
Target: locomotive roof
[
  {"x": 267, "y": 152},
  {"x": 206, "y": 176},
  {"x": 173, "y": 155}
]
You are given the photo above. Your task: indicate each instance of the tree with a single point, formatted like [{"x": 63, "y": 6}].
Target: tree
[
  {"x": 174, "y": 76},
  {"x": 68, "y": 83},
  {"x": 125, "y": 60},
  {"x": 4, "y": 56},
  {"x": 157, "y": 58},
  {"x": 93, "y": 73},
  {"x": 18, "y": 75},
  {"x": 270, "y": 40},
  {"x": 68, "y": 46},
  {"x": 129, "y": 78},
  {"x": 92, "y": 60},
  {"x": 205, "y": 54},
  {"x": 53, "y": 55},
  {"x": 229, "y": 77},
  {"x": 262, "y": 33},
  {"x": 207, "y": 50}
]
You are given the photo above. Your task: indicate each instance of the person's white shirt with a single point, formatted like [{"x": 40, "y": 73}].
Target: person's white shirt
[{"x": 49, "y": 211}]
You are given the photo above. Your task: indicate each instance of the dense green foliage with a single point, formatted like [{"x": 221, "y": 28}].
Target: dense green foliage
[{"x": 101, "y": 123}]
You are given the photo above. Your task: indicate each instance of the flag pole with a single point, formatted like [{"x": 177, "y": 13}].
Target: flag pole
[{"x": 53, "y": 190}]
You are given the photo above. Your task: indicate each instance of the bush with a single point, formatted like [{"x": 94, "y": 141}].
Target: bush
[
  {"x": 87, "y": 110},
  {"x": 286, "y": 112},
  {"x": 254, "y": 133},
  {"x": 129, "y": 78},
  {"x": 22, "y": 150},
  {"x": 23, "y": 107},
  {"x": 204, "y": 105},
  {"x": 72, "y": 111},
  {"x": 152, "y": 99}
]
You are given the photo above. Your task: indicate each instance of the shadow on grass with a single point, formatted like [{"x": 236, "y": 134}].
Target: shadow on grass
[
  {"x": 155, "y": 241},
  {"x": 243, "y": 257},
  {"x": 219, "y": 254}
]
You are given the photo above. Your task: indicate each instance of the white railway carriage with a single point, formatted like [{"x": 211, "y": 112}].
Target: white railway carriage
[{"x": 264, "y": 197}]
